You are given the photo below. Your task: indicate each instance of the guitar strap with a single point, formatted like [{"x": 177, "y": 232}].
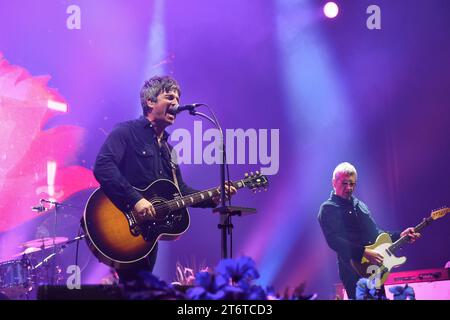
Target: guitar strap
[
  {"x": 175, "y": 177},
  {"x": 172, "y": 165}
]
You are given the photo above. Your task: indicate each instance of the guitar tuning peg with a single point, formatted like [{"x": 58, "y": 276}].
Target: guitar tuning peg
[
  {"x": 257, "y": 173},
  {"x": 251, "y": 173},
  {"x": 259, "y": 190},
  {"x": 246, "y": 174},
  {"x": 265, "y": 189}
]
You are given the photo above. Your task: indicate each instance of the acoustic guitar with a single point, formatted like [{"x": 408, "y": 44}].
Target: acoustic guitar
[{"x": 119, "y": 239}]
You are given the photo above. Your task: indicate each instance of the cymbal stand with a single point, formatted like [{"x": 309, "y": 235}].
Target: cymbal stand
[{"x": 57, "y": 205}]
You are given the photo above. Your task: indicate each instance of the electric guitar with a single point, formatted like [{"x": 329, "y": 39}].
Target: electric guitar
[
  {"x": 384, "y": 246},
  {"x": 119, "y": 239}
]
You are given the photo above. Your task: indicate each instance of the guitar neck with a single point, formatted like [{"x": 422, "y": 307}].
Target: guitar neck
[
  {"x": 400, "y": 242},
  {"x": 198, "y": 197}
]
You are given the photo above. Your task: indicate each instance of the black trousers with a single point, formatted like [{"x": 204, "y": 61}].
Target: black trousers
[
  {"x": 350, "y": 286},
  {"x": 131, "y": 273}
]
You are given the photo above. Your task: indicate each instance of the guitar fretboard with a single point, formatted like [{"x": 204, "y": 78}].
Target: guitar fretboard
[
  {"x": 400, "y": 242},
  {"x": 193, "y": 199}
]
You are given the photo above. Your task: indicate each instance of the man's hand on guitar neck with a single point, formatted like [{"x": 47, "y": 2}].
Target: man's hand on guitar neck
[
  {"x": 230, "y": 190},
  {"x": 411, "y": 233},
  {"x": 373, "y": 257},
  {"x": 144, "y": 209}
]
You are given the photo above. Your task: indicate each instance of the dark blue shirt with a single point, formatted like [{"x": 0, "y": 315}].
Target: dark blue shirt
[
  {"x": 131, "y": 157},
  {"x": 348, "y": 227}
]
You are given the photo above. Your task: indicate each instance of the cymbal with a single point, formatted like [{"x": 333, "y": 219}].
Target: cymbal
[
  {"x": 26, "y": 251},
  {"x": 44, "y": 243}
]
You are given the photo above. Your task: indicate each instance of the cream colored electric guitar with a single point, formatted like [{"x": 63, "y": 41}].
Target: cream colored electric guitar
[{"x": 384, "y": 246}]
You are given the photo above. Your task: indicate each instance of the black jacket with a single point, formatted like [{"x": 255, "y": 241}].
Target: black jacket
[{"x": 131, "y": 156}]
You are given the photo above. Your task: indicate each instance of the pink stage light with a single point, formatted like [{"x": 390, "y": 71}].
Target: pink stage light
[
  {"x": 51, "y": 174},
  {"x": 56, "y": 105},
  {"x": 331, "y": 9}
]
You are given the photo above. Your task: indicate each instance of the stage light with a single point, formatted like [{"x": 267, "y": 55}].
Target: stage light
[
  {"x": 56, "y": 105},
  {"x": 331, "y": 9},
  {"x": 51, "y": 174}
]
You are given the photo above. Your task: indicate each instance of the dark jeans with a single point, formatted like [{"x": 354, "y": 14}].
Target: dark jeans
[
  {"x": 350, "y": 287},
  {"x": 131, "y": 273}
]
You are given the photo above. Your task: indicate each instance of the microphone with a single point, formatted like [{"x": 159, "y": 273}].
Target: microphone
[
  {"x": 177, "y": 109},
  {"x": 40, "y": 207}
]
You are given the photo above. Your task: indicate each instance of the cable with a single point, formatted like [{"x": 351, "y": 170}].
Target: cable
[{"x": 78, "y": 244}]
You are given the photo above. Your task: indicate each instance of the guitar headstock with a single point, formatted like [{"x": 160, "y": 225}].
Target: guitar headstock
[
  {"x": 255, "y": 181},
  {"x": 436, "y": 214}
]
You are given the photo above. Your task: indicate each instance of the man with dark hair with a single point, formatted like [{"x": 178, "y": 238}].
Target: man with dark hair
[
  {"x": 136, "y": 153},
  {"x": 153, "y": 87},
  {"x": 348, "y": 227}
]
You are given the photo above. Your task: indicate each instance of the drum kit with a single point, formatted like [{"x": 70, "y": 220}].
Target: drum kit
[{"x": 33, "y": 266}]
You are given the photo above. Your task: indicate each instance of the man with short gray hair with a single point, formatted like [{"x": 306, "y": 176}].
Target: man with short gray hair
[{"x": 348, "y": 226}]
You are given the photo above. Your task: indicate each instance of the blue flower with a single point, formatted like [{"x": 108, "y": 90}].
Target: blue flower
[
  {"x": 210, "y": 282},
  {"x": 208, "y": 287},
  {"x": 239, "y": 271},
  {"x": 403, "y": 293},
  {"x": 366, "y": 290},
  {"x": 231, "y": 280}
]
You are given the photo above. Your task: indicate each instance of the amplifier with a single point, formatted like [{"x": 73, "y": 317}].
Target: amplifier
[
  {"x": 425, "y": 275},
  {"x": 428, "y": 284}
]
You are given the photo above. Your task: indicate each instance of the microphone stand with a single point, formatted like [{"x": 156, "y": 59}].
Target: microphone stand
[{"x": 225, "y": 225}]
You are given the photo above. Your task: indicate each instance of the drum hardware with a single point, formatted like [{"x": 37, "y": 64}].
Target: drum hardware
[
  {"x": 16, "y": 278},
  {"x": 61, "y": 246},
  {"x": 44, "y": 243},
  {"x": 24, "y": 271},
  {"x": 50, "y": 242},
  {"x": 46, "y": 271},
  {"x": 25, "y": 252},
  {"x": 20, "y": 276}
]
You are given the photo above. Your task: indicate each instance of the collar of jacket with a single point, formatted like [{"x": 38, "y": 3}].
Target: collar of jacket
[
  {"x": 341, "y": 201},
  {"x": 147, "y": 124}
]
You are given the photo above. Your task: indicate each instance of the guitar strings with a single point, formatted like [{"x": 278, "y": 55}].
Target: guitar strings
[{"x": 171, "y": 203}]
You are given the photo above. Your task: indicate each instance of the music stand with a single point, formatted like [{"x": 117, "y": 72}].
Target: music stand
[
  {"x": 226, "y": 212},
  {"x": 226, "y": 227}
]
